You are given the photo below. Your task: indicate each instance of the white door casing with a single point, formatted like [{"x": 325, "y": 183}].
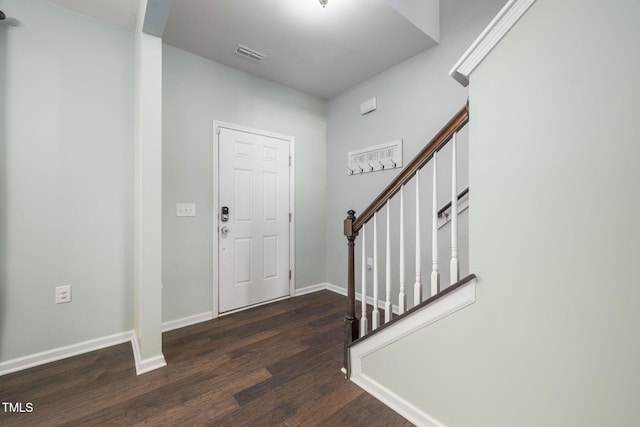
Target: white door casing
[{"x": 253, "y": 248}]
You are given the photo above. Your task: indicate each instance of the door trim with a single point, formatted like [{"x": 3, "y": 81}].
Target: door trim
[{"x": 216, "y": 208}]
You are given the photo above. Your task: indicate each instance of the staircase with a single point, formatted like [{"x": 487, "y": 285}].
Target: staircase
[{"x": 373, "y": 329}]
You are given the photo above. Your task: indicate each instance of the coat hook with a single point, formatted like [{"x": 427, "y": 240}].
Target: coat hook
[
  {"x": 370, "y": 167},
  {"x": 361, "y": 170},
  {"x": 393, "y": 163},
  {"x": 350, "y": 171},
  {"x": 381, "y": 165}
]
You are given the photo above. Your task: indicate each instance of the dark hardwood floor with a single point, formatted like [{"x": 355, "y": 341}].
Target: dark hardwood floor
[{"x": 274, "y": 365}]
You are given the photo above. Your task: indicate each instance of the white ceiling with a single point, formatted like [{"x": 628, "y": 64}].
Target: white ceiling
[{"x": 318, "y": 51}]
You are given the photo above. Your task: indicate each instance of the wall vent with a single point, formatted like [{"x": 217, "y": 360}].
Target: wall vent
[{"x": 249, "y": 53}]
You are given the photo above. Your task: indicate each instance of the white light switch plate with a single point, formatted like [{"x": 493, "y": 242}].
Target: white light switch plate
[
  {"x": 63, "y": 294},
  {"x": 185, "y": 209}
]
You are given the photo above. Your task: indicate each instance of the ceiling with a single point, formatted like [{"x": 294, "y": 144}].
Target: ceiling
[{"x": 320, "y": 51}]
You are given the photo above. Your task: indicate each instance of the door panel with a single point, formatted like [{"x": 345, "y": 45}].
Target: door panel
[{"x": 254, "y": 249}]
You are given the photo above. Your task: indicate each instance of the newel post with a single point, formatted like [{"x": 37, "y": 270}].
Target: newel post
[{"x": 350, "y": 322}]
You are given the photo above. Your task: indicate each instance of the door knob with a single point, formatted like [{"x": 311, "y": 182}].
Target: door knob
[{"x": 225, "y": 230}]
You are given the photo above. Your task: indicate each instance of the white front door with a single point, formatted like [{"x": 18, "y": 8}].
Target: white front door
[{"x": 253, "y": 218}]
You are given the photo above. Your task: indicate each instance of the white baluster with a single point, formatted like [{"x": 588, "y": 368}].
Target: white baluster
[
  {"x": 363, "y": 317},
  {"x": 417, "y": 287},
  {"x": 402, "y": 297},
  {"x": 455, "y": 263},
  {"x": 435, "y": 275},
  {"x": 387, "y": 301},
  {"x": 375, "y": 314}
]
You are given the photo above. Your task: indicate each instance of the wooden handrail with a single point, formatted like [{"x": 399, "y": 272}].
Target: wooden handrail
[
  {"x": 352, "y": 224},
  {"x": 439, "y": 141},
  {"x": 448, "y": 205}
]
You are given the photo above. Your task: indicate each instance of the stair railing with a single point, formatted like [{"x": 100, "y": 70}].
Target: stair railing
[{"x": 355, "y": 329}]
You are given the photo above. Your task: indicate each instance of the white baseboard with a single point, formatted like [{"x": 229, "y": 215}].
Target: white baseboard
[
  {"x": 145, "y": 365},
  {"x": 310, "y": 289},
  {"x": 187, "y": 321},
  {"x": 342, "y": 291},
  {"x": 37, "y": 359},
  {"x": 48, "y": 356},
  {"x": 397, "y": 403}
]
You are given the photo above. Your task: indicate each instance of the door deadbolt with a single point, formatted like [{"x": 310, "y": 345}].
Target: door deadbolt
[{"x": 224, "y": 216}]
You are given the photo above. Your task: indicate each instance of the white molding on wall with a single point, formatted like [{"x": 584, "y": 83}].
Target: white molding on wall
[
  {"x": 37, "y": 359},
  {"x": 450, "y": 303},
  {"x": 60, "y": 353},
  {"x": 258, "y": 304},
  {"x": 342, "y": 291},
  {"x": 311, "y": 289},
  {"x": 145, "y": 365},
  {"x": 187, "y": 321},
  {"x": 488, "y": 39},
  {"x": 397, "y": 403}
]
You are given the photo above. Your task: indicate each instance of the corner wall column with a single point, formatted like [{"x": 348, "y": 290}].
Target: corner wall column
[{"x": 147, "y": 283}]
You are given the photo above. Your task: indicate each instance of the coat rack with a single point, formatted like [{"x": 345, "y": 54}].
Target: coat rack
[{"x": 375, "y": 158}]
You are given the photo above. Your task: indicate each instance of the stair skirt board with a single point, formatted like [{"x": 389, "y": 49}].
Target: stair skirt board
[{"x": 456, "y": 300}]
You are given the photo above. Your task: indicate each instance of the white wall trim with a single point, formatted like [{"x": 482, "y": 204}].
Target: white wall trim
[
  {"x": 60, "y": 353},
  {"x": 187, "y": 321},
  {"x": 488, "y": 39},
  {"x": 311, "y": 289},
  {"x": 145, "y": 365},
  {"x": 342, "y": 291},
  {"x": 248, "y": 307},
  {"x": 450, "y": 303},
  {"x": 397, "y": 403},
  {"x": 42, "y": 358}
]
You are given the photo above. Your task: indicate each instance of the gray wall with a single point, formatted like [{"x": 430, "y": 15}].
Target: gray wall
[
  {"x": 553, "y": 336},
  {"x": 66, "y": 170},
  {"x": 415, "y": 99},
  {"x": 197, "y": 91}
]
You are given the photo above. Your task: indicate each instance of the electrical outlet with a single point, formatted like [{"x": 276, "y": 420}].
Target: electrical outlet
[
  {"x": 185, "y": 209},
  {"x": 63, "y": 294}
]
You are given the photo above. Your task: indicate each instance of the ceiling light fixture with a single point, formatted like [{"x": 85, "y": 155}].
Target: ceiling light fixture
[{"x": 323, "y": 2}]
